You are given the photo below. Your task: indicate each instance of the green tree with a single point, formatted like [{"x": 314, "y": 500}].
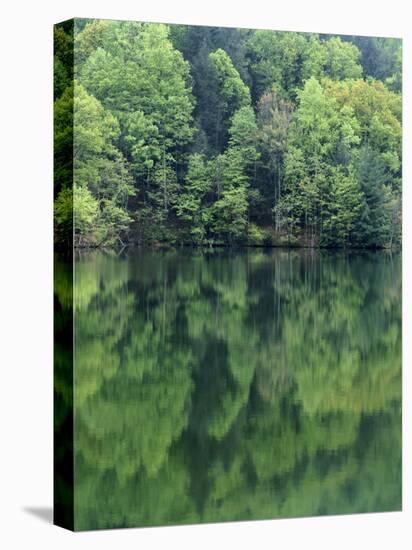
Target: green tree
[
  {"x": 85, "y": 208},
  {"x": 63, "y": 140},
  {"x": 234, "y": 173},
  {"x": 229, "y": 211},
  {"x": 63, "y": 59},
  {"x": 63, "y": 218},
  {"x": 342, "y": 60},
  {"x": 285, "y": 60},
  {"x": 275, "y": 61},
  {"x": 89, "y": 39},
  {"x": 99, "y": 166},
  {"x": 378, "y": 112},
  {"x": 229, "y": 93},
  {"x": 192, "y": 206},
  {"x": 348, "y": 199},
  {"x": 144, "y": 81},
  {"x": 322, "y": 138},
  {"x": 136, "y": 69},
  {"x": 273, "y": 123},
  {"x": 243, "y": 134},
  {"x": 381, "y": 58},
  {"x": 374, "y": 222}
]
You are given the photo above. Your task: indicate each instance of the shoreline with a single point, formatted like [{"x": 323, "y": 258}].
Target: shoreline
[{"x": 168, "y": 246}]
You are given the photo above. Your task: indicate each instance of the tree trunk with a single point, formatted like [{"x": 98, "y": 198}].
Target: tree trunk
[{"x": 164, "y": 180}]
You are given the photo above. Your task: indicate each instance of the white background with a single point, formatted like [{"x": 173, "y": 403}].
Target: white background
[{"x": 26, "y": 273}]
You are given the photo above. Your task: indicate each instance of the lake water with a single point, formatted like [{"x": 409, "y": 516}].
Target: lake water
[{"x": 234, "y": 385}]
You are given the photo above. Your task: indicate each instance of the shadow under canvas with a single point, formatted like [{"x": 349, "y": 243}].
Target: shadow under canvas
[{"x": 43, "y": 513}]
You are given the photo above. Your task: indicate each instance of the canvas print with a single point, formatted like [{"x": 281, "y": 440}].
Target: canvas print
[{"x": 227, "y": 214}]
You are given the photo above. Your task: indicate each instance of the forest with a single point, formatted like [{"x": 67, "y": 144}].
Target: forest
[{"x": 207, "y": 136}]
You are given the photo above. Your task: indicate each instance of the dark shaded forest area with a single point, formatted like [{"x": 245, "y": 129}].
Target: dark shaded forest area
[{"x": 217, "y": 136}]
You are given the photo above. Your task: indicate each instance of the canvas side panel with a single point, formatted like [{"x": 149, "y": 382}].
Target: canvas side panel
[{"x": 63, "y": 276}]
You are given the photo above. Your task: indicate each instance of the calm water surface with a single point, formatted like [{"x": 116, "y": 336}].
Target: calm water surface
[{"x": 224, "y": 385}]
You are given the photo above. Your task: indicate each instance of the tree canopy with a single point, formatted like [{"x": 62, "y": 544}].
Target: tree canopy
[{"x": 203, "y": 135}]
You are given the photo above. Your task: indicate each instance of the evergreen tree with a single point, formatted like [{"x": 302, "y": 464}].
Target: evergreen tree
[{"x": 374, "y": 222}]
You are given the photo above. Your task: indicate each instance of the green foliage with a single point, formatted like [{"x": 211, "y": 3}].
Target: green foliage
[
  {"x": 378, "y": 112},
  {"x": 374, "y": 219},
  {"x": 90, "y": 39},
  {"x": 381, "y": 59},
  {"x": 63, "y": 58},
  {"x": 273, "y": 119},
  {"x": 169, "y": 126},
  {"x": 144, "y": 84},
  {"x": 243, "y": 135},
  {"x": 85, "y": 208},
  {"x": 255, "y": 235},
  {"x": 63, "y": 140},
  {"x": 342, "y": 60},
  {"x": 228, "y": 94},
  {"x": 320, "y": 125},
  {"x": 341, "y": 165},
  {"x": 63, "y": 217},
  {"x": 233, "y": 173},
  {"x": 286, "y": 60},
  {"x": 192, "y": 206},
  {"x": 275, "y": 375},
  {"x": 347, "y": 208},
  {"x": 274, "y": 59},
  {"x": 320, "y": 186},
  {"x": 95, "y": 131},
  {"x": 137, "y": 70},
  {"x": 232, "y": 90},
  {"x": 100, "y": 169},
  {"x": 142, "y": 143},
  {"x": 229, "y": 213}
]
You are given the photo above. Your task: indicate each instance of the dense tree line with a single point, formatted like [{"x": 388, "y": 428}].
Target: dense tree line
[
  {"x": 233, "y": 386},
  {"x": 202, "y": 135}
]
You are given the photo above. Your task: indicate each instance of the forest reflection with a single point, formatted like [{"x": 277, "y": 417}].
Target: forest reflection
[{"x": 234, "y": 385}]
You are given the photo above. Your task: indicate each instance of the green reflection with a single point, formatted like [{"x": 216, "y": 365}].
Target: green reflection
[{"x": 215, "y": 386}]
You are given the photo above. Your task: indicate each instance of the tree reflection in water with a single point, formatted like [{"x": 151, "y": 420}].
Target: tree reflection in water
[{"x": 235, "y": 385}]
